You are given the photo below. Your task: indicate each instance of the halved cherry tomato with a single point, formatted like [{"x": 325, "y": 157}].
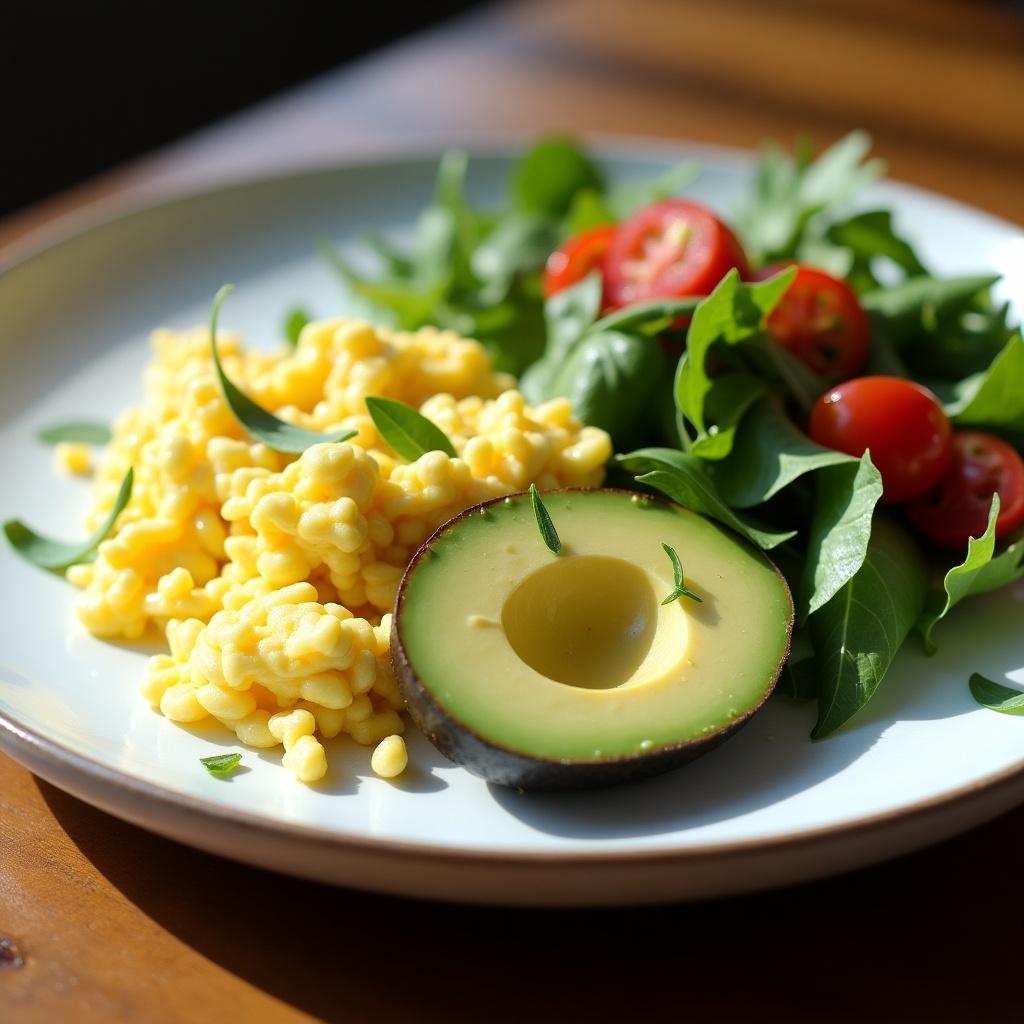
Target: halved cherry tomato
[
  {"x": 820, "y": 320},
  {"x": 957, "y": 509},
  {"x": 576, "y": 257},
  {"x": 669, "y": 249},
  {"x": 900, "y": 421}
]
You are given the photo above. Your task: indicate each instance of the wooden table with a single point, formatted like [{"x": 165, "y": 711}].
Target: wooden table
[{"x": 104, "y": 922}]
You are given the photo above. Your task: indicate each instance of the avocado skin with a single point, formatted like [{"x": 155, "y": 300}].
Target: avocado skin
[{"x": 506, "y": 767}]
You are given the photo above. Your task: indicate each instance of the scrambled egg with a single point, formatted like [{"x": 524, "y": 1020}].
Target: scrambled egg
[{"x": 272, "y": 576}]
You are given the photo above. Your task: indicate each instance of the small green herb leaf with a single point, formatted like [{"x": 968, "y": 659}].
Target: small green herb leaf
[
  {"x": 55, "y": 555},
  {"x": 679, "y": 588},
  {"x": 995, "y": 696},
  {"x": 221, "y": 765},
  {"x": 408, "y": 432},
  {"x": 994, "y": 397},
  {"x": 550, "y": 174},
  {"x": 274, "y": 433},
  {"x": 294, "y": 321},
  {"x": 544, "y": 523},
  {"x": 83, "y": 431}
]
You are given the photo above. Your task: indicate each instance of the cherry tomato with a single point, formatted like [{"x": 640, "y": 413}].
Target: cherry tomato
[
  {"x": 576, "y": 257},
  {"x": 670, "y": 249},
  {"x": 900, "y": 421},
  {"x": 957, "y": 509},
  {"x": 819, "y": 319}
]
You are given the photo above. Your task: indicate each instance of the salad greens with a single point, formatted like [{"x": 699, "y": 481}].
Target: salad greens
[
  {"x": 995, "y": 696},
  {"x": 408, "y": 432},
  {"x": 294, "y": 321},
  {"x": 220, "y": 766},
  {"x": 704, "y": 406}
]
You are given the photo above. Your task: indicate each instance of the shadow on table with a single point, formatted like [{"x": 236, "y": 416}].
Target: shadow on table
[{"x": 798, "y": 954}]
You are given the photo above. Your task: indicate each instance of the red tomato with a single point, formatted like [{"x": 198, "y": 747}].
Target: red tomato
[
  {"x": 576, "y": 257},
  {"x": 820, "y": 320},
  {"x": 670, "y": 249},
  {"x": 958, "y": 507},
  {"x": 900, "y": 421}
]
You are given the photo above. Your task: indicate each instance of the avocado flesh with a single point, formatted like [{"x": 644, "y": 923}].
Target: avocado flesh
[{"x": 525, "y": 665}]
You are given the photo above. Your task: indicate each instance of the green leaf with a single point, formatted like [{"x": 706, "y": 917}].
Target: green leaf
[
  {"x": 517, "y": 245},
  {"x": 255, "y": 420},
  {"x": 294, "y": 321},
  {"x": 733, "y": 313},
  {"x": 82, "y": 431},
  {"x": 53, "y": 554},
  {"x": 857, "y": 634},
  {"x": 679, "y": 587},
  {"x": 725, "y": 404},
  {"x": 544, "y": 523},
  {"x": 976, "y": 574},
  {"x": 912, "y": 300},
  {"x": 550, "y": 174},
  {"x": 648, "y": 318},
  {"x": 611, "y": 379},
  {"x": 629, "y": 196},
  {"x": 993, "y": 398},
  {"x": 568, "y": 315},
  {"x": 793, "y": 196},
  {"x": 407, "y": 431},
  {"x": 221, "y": 765},
  {"x": 870, "y": 235},
  {"x": 840, "y": 532},
  {"x": 768, "y": 454},
  {"x": 995, "y": 696},
  {"x": 589, "y": 209},
  {"x": 684, "y": 479}
]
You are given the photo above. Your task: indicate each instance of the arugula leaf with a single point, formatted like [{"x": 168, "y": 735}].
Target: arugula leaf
[
  {"x": 733, "y": 313},
  {"x": 648, "y": 318},
  {"x": 294, "y": 321},
  {"x": 610, "y": 378},
  {"x": 679, "y": 587},
  {"x": 995, "y": 696},
  {"x": 912, "y": 301},
  {"x": 221, "y": 765},
  {"x": 792, "y": 195},
  {"x": 769, "y": 452},
  {"x": 83, "y": 431},
  {"x": 57, "y": 556},
  {"x": 840, "y": 534},
  {"x": 993, "y": 398},
  {"x": 544, "y": 523},
  {"x": 568, "y": 315},
  {"x": 684, "y": 478},
  {"x": 978, "y": 573},
  {"x": 255, "y": 420},
  {"x": 550, "y": 174},
  {"x": 857, "y": 633},
  {"x": 407, "y": 431},
  {"x": 869, "y": 235}
]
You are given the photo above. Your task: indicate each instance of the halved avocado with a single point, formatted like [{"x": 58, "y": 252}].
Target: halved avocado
[{"x": 545, "y": 671}]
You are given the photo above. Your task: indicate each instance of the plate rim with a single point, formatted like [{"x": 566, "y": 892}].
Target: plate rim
[{"x": 18, "y": 737}]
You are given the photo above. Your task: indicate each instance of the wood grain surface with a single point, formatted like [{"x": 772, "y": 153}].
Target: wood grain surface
[{"x": 102, "y": 922}]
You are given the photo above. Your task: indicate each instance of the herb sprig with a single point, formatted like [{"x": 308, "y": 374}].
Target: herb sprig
[
  {"x": 408, "y": 432},
  {"x": 56, "y": 555},
  {"x": 221, "y": 765},
  {"x": 274, "y": 433},
  {"x": 81, "y": 431},
  {"x": 544, "y": 521},
  {"x": 679, "y": 589}
]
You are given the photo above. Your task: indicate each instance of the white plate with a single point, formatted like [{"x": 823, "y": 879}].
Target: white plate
[{"x": 768, "y": 807}]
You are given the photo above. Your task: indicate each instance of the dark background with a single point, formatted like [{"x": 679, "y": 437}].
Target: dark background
[{"x": 84, "y": 87}]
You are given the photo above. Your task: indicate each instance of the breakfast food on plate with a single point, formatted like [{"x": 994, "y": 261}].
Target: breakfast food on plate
[
  {"x": 273, "y": 575},
  {"x": 793, "y": 376},
  {"x": 547, "y": 670}
]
